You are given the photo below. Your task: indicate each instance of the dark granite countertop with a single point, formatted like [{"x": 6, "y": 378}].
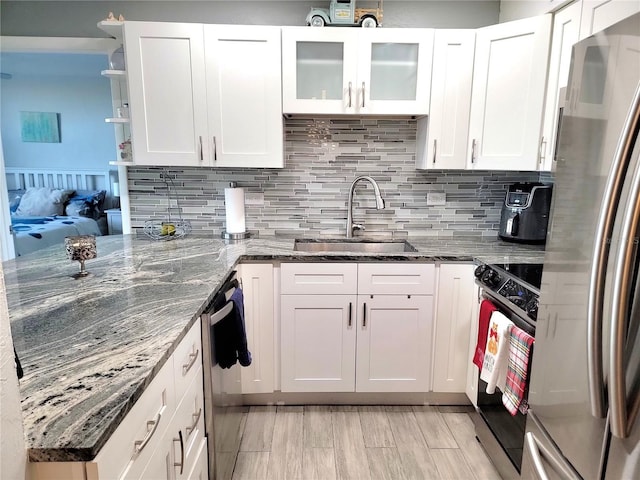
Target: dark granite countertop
[{"x": 89, "y": 347}]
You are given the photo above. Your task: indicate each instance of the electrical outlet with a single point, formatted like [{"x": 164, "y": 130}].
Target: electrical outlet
[
  {"x": 253, "y": 198},
  {"x": 436, "y": 198}
]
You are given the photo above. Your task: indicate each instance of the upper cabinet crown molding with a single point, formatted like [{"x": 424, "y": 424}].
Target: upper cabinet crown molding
[{"x": 356, "y": 71}]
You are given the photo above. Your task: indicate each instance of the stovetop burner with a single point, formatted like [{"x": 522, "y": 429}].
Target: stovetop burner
[
  {"x": 530, "y": 273},
  {"x": 517, "y": 285}
]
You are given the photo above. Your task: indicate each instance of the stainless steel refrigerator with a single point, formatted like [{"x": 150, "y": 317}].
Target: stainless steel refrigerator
[{"x": 584, "y": 391}]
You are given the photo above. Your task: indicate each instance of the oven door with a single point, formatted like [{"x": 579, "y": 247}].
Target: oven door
[{"x": 501, "y": 433}]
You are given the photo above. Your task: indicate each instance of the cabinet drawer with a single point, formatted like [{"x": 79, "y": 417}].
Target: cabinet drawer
[
  {"x": 189, "y": 420},
  {"x": 118, "y": 458},
  {"x": 187, "y": 360},
  {"x": 200, "y": 470},
  {"x": 396, "y": 278},
  {"x": 319, "y": 278}
]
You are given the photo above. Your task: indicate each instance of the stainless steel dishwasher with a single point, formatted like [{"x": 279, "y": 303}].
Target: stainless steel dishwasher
[{"x": 225, "y": 415}]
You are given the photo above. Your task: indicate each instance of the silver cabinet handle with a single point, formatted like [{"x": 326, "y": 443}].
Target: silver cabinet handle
[
  {"x": 362, "y": 94},
  {"x": 595, "y": 301},
  {"x": 196, "y": 419},
  {"x": 532, "y": 445},
  {"x": 201, "y": 152},
  {"x": 473, "y": 150},
  {"x": 543, "y": 150},
  {"x": 215, "y": 150},
  {"x": 350, "y": 305},
  {"x": 623, "y": 280},
  {"x": 181, "y": 462},
  {"x": 364, "y": 315},
  {"x": 435, "y": 149},
  {"x": 192, "y": 360},
  {"x": 349, "y": 94},
  {"x": 152, "y": 426}
]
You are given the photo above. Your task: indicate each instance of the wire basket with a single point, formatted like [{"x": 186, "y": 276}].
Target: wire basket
[{"x": 168, "y": 228}]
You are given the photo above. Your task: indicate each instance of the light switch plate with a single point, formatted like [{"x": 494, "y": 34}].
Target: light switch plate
[
  {"x": 436, "y": 198},
  {"x": 253, "y": 198}
]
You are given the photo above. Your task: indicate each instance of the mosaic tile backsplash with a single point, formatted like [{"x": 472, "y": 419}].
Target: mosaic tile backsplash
[{"x": 309, "y": 195}]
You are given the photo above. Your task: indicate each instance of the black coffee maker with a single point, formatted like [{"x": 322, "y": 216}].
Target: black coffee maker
[{"x": 525, "y": 213}]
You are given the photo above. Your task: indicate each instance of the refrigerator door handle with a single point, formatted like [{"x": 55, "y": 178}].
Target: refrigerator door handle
[
  {"x": 537, "y": 451},
  {"x": 534, "y": 451},
  {"x": 597, "y": 277},
  {"x": 622, "y": 283}
]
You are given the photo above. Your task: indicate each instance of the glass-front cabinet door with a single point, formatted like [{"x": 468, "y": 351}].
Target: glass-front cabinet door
[
  {"x": 394, "y": 71},
  {"x": 319, "y": 70},
  {"x": 356, "y": 70}
]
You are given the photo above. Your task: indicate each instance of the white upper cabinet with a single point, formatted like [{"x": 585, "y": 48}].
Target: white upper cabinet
[
  {"x": 244, "y": 95},
  {"x": 356, "y": 71},
  {"x": 442, "y": 136},
  {"x": 507, "y": 101},
  {"x": 167, "y": 94},
  {"x": 566, "y": 27},
  {"x": 205, "y": 95},
  {"x": 600, "y": 14}
]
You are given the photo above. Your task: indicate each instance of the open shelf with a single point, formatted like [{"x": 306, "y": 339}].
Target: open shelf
[
  {"x": 115, "y": 74},
  {"x": 117, "y": 120},
  {"x": 113, "y": 28}
]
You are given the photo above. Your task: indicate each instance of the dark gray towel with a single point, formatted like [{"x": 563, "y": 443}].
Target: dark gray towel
[{"x": 229, "y": 335}]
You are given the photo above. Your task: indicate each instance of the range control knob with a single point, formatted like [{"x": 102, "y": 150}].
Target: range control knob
[
  {"x": 480, "y": 270},
  {"x": 532, "y": 309},
  {"x": 491, "y": 278}
]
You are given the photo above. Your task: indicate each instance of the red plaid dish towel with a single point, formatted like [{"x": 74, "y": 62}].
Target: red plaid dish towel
[
  {"x": 520, "y": 346},
  {"x": 486, "y": 309}
]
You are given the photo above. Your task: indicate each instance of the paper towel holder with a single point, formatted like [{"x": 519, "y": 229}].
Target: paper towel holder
[
  {"x": 232, "y": 237},
  {"x": 235, "y": 236}
]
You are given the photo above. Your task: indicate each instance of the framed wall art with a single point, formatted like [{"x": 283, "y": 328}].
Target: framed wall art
[{"x": 41, "y": 127}]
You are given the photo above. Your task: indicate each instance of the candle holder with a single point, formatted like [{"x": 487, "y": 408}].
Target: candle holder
[{"x": 81, "y": 248}]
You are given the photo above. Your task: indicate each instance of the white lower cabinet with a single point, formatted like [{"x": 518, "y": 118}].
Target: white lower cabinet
[
  {"x": 453, "y": 320},
  {"x": 393, "y": 343},
  {"x": 257, "y": 286},
  {"x": 362, "y": 339},
  {"x": 318, "y": 343},
  {"x": 146, "y": 445}
]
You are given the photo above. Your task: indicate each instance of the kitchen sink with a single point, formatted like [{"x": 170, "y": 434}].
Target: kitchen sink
[{"x": 353, "y": 245}]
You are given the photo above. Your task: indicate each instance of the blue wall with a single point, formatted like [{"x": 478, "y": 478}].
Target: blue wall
[{"x": 68, "y": 84}]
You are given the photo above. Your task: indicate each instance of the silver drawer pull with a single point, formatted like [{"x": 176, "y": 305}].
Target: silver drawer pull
[
  {"x": 152, "y": 426},
  {"x": 181, "y": 462},
  {"x": 192, "y": 360},
  {"x": 196, "y": 419}
]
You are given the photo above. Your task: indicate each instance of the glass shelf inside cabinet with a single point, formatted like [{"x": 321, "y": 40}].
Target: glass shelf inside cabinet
[
  {"x": 319, "y": 70},
  {"x": 394, "y": 71}
]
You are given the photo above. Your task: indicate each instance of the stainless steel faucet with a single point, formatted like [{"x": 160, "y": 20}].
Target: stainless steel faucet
[{"x": 379, "y": 204}]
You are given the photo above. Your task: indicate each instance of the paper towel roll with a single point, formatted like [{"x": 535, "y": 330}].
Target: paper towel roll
[{"x": 234, "y": 206}]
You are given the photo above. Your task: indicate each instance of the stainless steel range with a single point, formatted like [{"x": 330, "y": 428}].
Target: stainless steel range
[
  {"x": 515, "y": 286},
  {"x": 514, "y": 289}
]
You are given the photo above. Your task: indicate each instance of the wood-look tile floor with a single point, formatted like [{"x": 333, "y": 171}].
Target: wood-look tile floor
[{"x": 361, "y": 442}]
